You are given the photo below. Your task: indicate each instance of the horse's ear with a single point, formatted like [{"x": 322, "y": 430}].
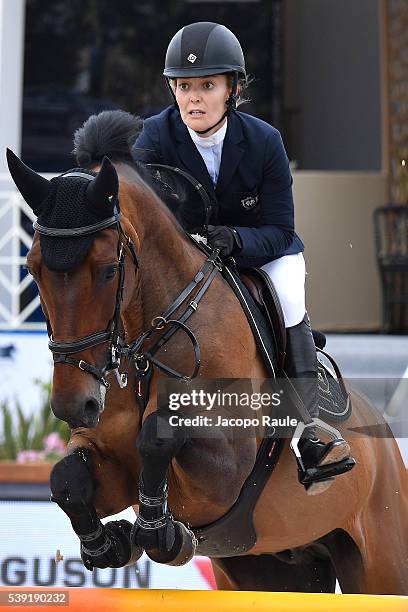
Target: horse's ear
[
  {"x": 102, "y": 192},
  {"x": 33, "y": 187}
]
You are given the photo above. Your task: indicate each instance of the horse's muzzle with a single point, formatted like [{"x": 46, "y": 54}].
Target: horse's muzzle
[{"x": 82, "y": 413}]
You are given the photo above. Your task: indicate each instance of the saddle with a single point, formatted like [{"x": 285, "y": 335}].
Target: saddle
[
  {"x": 333, "y": 396},
  {"x": 263, "y": 291},
  {"x": 259, "y": 300}
]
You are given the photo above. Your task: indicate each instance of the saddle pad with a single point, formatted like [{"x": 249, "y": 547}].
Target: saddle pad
[{"x": 334, "y": 403}]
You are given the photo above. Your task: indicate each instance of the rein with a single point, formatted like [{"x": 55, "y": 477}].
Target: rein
[
  {"x": 155, "y": 168},
  {"x": 117, "y": 348},
  {"x": 143, "y": 359}
]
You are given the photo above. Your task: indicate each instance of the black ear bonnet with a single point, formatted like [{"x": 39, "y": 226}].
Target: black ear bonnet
[{"x": 67, "y": 205}]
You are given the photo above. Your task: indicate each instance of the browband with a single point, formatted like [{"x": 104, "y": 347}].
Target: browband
[
  {"x": 76, "y": 231},
  {"x": 89, "y": 177}
]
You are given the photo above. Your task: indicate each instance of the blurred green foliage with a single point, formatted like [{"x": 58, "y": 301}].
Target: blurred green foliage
[{"x": 22, "y": 432}]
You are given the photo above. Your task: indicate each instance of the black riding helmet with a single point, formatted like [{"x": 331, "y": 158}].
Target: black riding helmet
[{"x": 203, "y": 49}]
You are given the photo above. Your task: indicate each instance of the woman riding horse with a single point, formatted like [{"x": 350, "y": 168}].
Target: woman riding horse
[
  {"x": 110, "y": 260},
  {"x": 242, "y": 162}
]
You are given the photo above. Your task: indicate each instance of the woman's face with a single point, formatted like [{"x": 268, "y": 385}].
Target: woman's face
[{"x": 202, "y": 101}]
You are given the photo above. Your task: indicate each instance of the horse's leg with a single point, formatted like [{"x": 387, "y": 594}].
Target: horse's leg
[
  {"x": 73, "y": 489},
  {"x": 381, "y": 570},
  {"x": 301, "y": 572},
  {"x": 385, "y": 558},
  {"x": 165, "y": 540},
  {"x": 386, "y": 521},
  {"x": 199, "y": 461},
  {"x": 376, "y": 541},
  {"x": 386, "y": 571},
  {"x": 347, "y": 560}
]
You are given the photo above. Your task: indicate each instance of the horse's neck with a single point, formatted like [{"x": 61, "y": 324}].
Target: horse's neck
[{"x": 168, "y": 262}]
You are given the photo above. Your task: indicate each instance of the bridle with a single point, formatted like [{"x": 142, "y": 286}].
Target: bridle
[{"x": 113, "y": 334}]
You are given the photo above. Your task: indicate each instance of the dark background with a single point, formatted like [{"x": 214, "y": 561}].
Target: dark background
[
  {"x": 83, "y": 57},
  {"x": 316, "y": 68}
]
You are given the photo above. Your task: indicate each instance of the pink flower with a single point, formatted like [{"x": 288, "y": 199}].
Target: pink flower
[
  {"x": 25, "y": 456},
  {"x": 53, "y": 443}
]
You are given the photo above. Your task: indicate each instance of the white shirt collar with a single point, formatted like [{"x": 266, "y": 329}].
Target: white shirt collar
[{"x": 209, "y": 141}]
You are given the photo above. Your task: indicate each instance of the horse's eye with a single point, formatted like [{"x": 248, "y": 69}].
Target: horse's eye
[{"x": 109, "y": 273}]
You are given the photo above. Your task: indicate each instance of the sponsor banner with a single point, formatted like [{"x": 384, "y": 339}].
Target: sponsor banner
[{"x": 34, "y": 534}]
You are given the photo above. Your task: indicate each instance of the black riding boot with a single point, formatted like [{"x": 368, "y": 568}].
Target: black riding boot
[{"x": 301, "y": 367}]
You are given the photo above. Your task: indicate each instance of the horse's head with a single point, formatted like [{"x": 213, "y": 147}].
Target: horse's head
[{"x": 84, "y": 263}]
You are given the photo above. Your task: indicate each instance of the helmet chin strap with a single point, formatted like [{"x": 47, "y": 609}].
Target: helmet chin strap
[
  {"x": 227, "y": 112},
  {"x": 231, "y": 103}
]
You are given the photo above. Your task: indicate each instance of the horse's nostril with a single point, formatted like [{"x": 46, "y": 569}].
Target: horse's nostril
[
  {"x": 91, "y": 408},
  {"x": 78, "y": 413}
]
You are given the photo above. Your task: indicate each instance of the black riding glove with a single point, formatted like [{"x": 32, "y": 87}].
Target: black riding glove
[{"x": 224, "y": 238}]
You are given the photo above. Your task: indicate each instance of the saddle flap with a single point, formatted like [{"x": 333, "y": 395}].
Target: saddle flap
[{"x": 264, "y": 293}]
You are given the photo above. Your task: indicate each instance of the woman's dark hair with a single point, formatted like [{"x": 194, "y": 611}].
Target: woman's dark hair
[{"x": 242, "y": 87}]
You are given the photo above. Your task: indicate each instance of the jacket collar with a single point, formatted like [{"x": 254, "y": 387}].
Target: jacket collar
[{"x": 231, "y": 153}]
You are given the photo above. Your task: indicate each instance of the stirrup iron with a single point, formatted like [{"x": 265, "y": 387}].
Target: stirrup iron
[
  {"x": 300, "y": 428},
  {"x": 320, "y": 473}
]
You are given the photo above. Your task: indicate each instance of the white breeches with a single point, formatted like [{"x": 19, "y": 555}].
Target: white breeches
[{"x": 288, "y": 276}]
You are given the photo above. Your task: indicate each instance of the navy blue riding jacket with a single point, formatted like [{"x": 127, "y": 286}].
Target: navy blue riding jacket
[{"x": 254, "y": 188}]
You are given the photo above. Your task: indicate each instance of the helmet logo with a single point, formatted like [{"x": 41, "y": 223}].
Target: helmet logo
[{"x": 192, "y": 58}]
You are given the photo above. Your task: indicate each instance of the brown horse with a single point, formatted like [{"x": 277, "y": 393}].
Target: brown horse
[{"x": 118, "y": 276}]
